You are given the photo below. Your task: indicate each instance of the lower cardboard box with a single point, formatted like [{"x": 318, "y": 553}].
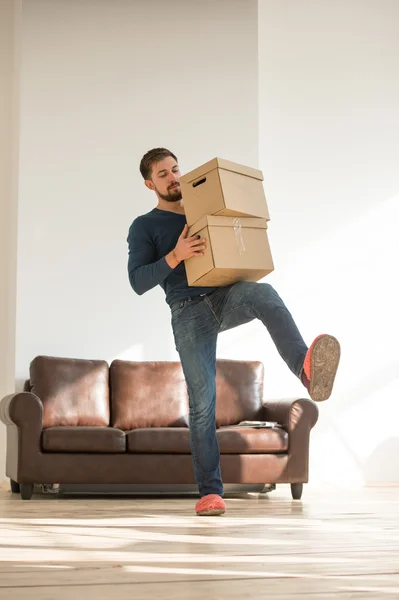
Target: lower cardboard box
[{"x": 237, "y": 250}]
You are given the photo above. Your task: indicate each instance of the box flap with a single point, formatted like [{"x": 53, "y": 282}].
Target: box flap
[
  {"x": 222, "y": 221},
  {"x": 221, "y": 163}
]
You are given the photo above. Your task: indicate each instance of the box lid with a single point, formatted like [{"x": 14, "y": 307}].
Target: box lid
[
  {"x": 222, "y": 221},
  {"x": 221, "y": 163}
]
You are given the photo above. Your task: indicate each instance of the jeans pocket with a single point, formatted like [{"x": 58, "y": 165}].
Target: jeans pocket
[{"x": 177, "y": 308}]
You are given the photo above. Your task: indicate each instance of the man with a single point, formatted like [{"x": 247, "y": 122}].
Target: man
[{"x": 158, "y": 247}]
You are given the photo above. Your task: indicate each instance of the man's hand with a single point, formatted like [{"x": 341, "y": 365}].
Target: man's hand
[{"x": 186, "y": 247}]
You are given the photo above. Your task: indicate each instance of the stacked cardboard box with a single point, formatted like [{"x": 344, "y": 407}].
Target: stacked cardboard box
[{"x": 225, "y": 203}]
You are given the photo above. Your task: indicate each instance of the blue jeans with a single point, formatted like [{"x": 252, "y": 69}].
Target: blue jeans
[{"x": 196, "y": 324}]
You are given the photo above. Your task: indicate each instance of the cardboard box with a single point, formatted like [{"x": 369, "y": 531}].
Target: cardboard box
[
  {"x": 237, "y": 250},
  {"x": 220, "y": 187}
]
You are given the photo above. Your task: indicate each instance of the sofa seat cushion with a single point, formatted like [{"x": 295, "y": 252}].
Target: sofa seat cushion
[
  {"x": 232, "y": 440},
  {"x": 247, "y": 440},
  {"x": 83, "y": 439}
]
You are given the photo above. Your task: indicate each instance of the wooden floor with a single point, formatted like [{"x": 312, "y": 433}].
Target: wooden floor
[{"x": 332, "y": 544}]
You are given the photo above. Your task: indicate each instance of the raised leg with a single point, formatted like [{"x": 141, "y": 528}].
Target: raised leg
[{"x": 247, "y": 300}]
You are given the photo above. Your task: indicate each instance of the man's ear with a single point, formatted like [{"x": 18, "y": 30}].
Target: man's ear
[{"x": 148, "y": 183}]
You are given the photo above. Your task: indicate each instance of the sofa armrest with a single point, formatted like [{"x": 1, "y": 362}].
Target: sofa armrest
[
  {"x": 25, "y": 410},
  {"x": 291, "y": 412},
  {"x": 297, "y": 416},
  {"x": 22, "y": 413}
]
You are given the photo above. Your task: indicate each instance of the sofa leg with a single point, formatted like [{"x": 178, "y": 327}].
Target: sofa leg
[
  {"x": 26, "y": 490},
  {"x": 14, "y": 486},
  {"x": 296, "y": 490}
]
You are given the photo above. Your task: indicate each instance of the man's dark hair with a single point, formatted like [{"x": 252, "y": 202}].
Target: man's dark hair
[{"x": 153, "y": 156}]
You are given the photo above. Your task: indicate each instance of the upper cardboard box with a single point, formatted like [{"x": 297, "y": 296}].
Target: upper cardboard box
[{"x": 224, "y": 188}]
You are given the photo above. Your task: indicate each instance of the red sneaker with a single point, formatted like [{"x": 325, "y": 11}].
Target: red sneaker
[
  {"x": 210, "y": 505},
  {"x": 320, "y": 367}
]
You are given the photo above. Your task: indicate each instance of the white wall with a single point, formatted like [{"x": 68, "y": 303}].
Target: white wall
[
  {"x": 103, "y": 82},
  {"x": 329, "y": 148},
  {"x": 9, "y": 80}
]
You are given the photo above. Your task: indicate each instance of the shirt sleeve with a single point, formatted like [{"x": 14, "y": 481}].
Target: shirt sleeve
[{"x": 145, "y": 271}]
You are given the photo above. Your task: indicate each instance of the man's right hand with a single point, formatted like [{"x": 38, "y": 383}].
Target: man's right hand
[{"x": 187, "y": 247}]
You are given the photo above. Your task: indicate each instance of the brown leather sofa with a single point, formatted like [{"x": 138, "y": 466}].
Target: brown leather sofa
[{"x": 84, "y": 422}]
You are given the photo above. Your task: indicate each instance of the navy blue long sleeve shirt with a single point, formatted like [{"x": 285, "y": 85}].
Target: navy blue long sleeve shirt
[{"x": 151, "y": 237}]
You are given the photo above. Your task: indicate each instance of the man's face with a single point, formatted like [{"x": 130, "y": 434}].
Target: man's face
[{"x": 165, "y": 180}]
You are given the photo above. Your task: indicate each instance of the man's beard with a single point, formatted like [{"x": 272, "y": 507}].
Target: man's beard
[{"x": 174, "y": 195}]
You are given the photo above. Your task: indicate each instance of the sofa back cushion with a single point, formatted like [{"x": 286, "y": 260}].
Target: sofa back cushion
[
  {"x": 239, "y": 391},
  {"x": 73, "y": 391},
  {"x": 154, "y": 394},
  {"x": 147, "y": 394}
]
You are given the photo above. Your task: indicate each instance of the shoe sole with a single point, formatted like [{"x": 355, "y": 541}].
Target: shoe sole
[
  {"x": 211, "y": 512},
  {"x": 324, "y": 363}
]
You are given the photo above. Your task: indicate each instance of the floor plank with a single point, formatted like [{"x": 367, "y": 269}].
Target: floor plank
[{"x": 333, "y": 543}]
